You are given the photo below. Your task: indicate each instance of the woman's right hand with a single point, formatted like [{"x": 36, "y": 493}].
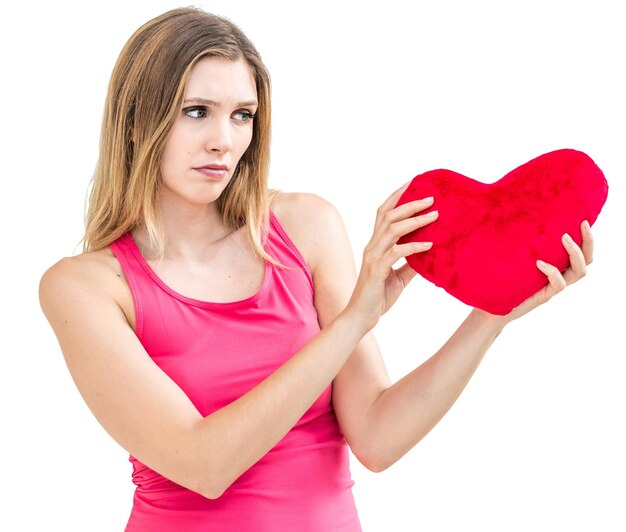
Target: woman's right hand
[{"x": 379, "y": 285}]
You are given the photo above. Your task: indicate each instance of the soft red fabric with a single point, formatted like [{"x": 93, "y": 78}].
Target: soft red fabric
[{"x": 488, "y": 236}]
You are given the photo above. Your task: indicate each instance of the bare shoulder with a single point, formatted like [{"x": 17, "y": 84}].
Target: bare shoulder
[
  {"x": 95, "y": 275},
  {"x": 85, "y": 271},
  {"x": 310, "y": 221}
]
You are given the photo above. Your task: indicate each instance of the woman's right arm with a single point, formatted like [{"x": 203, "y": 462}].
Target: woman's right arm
[
  {"x": 153, "y": 419},
  {"x": 150, "y": 416}
]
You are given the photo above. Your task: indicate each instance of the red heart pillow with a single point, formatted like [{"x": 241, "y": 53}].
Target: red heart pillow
[{"x": 488, "y": 236}]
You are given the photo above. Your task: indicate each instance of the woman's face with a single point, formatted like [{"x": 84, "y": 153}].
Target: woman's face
[{"x": 212, "y": 131}]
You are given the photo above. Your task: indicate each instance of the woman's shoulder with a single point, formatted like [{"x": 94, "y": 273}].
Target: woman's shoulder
[
  {"x": 84, "y": 268},
  {"x": 96, "y": 273},
  {"x": 307, "y": 218},
  {"x": 296, "y": 208}
]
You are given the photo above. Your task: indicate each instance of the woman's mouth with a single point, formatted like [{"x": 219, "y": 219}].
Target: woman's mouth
[{"x": 213, "y": 171}]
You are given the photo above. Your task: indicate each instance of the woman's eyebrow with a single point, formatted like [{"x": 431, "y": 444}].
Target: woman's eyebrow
[{"x": 216, "y": 104}]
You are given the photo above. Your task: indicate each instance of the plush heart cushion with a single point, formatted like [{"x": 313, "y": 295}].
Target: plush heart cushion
[{"x": 488, "y": 237}]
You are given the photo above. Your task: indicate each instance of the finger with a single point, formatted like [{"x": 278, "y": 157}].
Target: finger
[
  {"x": 556, "y": 280},
  {"x": 409, "y": 209},
  {"x": 587, "y": 246},
  {"x": 392, "y": 233},
  {"x": 399, "y": 251},
  {"x": 385, "y": 236},
  {"x": 404, "y": 227},
  {"x": 392, "y": 200},
  {"x": 577, "y": 266},
  {"x": 405, "y": 273}
]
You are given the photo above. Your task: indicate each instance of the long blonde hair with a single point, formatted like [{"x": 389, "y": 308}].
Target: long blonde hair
[{"x": 145, "y": 94}]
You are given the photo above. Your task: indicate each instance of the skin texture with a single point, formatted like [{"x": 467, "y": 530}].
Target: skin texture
[
  {"x": 89, "y": 306},
  {"x": 204, "y": 133}
]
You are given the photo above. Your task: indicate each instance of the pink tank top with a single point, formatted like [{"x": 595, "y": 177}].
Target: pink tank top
[{"x": 217, "y": 352}]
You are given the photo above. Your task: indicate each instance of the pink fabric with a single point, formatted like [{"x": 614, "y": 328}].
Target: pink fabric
[{"x": 217, "y": 352}]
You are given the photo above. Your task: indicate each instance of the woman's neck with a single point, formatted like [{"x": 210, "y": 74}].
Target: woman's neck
[{"x": 192, "y": 232}]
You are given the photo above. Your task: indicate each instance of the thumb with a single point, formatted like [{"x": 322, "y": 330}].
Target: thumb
[{"x": 405, "y": 273}]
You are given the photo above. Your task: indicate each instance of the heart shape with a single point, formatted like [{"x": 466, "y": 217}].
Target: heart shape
[{"x": 488, "y": 236}]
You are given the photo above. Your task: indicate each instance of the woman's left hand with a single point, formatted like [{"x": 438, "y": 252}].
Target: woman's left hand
[{"x": 579, "y": 258}]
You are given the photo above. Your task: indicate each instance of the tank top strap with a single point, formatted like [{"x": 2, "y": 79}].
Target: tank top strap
[
  {"x": 285, "y": 251},
  {"x": 150, "y": 293},
  {"x": 124, "y": 250}
]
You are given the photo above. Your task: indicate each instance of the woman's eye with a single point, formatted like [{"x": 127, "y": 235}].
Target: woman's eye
[
  {"x": 195, "y": 112},
  {"x": 243, "y": 116}
]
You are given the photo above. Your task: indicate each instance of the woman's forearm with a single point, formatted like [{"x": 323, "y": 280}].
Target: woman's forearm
[
  {"x": 235, "y": 437},
  {"x": 406, "y": 411}
]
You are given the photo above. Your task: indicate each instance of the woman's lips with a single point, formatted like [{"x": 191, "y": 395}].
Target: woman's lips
[{"x": 213, "y": 172}]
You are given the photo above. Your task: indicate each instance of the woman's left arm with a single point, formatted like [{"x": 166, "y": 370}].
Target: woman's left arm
[
  {"x": 406, "y": 411},
  {"x": 382, "y": 421}
]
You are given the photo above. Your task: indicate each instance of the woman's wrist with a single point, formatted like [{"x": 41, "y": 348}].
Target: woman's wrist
[
  {"x": 354, "y": 322},
  {"x": 492, "y": 322}
]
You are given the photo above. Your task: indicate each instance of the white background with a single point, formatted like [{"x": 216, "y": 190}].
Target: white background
[{"x": 366, "y": 96}]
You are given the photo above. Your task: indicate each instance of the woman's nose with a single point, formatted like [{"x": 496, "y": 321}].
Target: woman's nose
[{"x": 219, "y": 135}]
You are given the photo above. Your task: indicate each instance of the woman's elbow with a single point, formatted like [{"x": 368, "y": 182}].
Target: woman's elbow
[
  {"x": 213, "y": 484},
  {"x": 212, "y": 493},
  {"x": 210, "y": 490},
  {"x": 373, "y": 462}
]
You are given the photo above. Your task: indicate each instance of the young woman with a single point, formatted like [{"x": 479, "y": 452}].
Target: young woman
[{"x": 216, "y": 329}]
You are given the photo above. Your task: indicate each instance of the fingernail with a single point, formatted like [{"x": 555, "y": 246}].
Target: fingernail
[
  {"x": 541, "y": 264},
  {"x": 429, "y": 199},
  {"x": 432, "y": 214},
  {"x": 568, "y": 238}
]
